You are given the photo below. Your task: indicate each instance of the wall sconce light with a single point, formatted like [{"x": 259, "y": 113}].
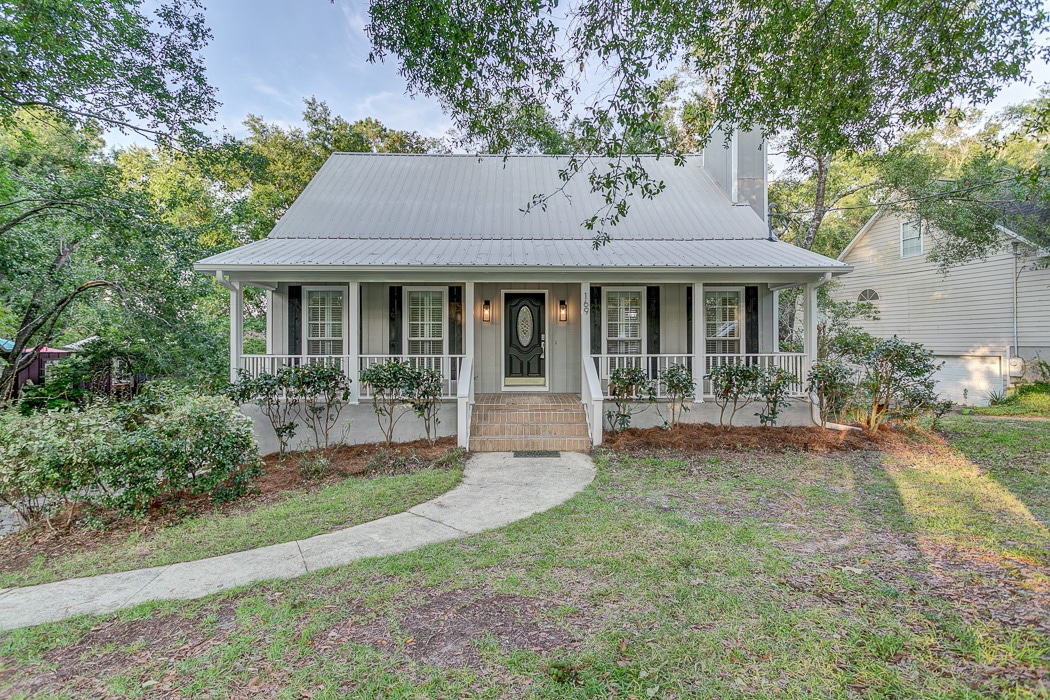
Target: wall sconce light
[
  {"x": 563, "y": 312},
  {"x": 486, "y": 311}
]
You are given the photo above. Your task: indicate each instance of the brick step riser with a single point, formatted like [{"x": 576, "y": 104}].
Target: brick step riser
[
  {"x": 528, "y": 431},
  {"x": 510, "y": 419},
  {"x": 512, "y": 444}
]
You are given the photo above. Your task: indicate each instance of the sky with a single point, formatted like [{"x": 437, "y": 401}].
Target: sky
[{"x": 267, "y": 55}]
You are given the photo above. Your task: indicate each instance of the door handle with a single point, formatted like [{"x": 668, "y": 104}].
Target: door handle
[{"x": 543, "y": 348}]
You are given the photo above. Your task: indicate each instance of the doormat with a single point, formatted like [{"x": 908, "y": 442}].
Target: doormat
[{"x": 536, "y": 453}]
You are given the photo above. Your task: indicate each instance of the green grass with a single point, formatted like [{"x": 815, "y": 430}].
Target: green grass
[
  {"x": 296, "y": 516},
  {"x": 718, "y": 575},
  {"x": 1029, "y": 400}
]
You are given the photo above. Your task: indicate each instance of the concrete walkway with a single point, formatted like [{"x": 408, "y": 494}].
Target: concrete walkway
[{"x": 497, "y": 489}]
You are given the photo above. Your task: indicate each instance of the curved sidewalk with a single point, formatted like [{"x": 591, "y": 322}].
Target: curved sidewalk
[{"x": 497, "y": 489}]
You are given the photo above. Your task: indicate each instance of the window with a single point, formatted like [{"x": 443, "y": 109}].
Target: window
[
  {"x": 623, "y": 321},
  {"x": 911, "y": 239},
  {"x": 426, "y": 322},
  {"x": 324, "y": 321},
  {"x": 869, "y": 295},
  {"x": 722, "y": 321}
]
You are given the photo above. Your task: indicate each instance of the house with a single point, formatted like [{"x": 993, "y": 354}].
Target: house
[
  {"x": 431, "y": 258},
  {"x": 36, "y": 371},
  {"x": 986, "y": 320}
]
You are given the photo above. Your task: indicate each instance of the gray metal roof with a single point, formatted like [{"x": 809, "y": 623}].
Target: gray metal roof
[
  {"x": 364, "y": 210},
  {"x": 341, "y": 253}
]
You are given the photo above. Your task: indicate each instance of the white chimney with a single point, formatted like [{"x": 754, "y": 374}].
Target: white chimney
[{"x": 738, "y": 165}]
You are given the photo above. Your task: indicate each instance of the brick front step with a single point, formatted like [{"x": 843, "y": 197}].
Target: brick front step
[{"x": 525, "y": 423}]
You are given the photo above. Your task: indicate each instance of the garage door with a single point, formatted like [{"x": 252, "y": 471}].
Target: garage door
[{"x": 969, "y": 378}]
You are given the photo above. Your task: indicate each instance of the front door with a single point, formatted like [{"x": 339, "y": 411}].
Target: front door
[{"x": 524, "y": 362}]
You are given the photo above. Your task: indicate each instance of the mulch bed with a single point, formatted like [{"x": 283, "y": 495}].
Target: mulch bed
[
  {"x": 279, "y": 476},
  {"x": 697, "y": 437}
]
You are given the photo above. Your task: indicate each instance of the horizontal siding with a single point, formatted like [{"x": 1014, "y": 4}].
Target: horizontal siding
[{"x": 967, "y": 311}]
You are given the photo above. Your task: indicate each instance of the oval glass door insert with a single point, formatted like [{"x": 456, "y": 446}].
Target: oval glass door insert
[{"x": 525, "y": 326}]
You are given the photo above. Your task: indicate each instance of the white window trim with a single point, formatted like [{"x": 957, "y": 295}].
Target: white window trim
[
  {"x": 878, "y": 297},
  {"x": 405, "y": 315},
  {"x": 917, "y": 222},
  {"x": 741, "y": 318},
  {"x": 643, "y": 309},
  {"x": 305, "y": 313}
]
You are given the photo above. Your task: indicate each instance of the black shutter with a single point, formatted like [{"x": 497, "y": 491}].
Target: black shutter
[
  {"x": 295, "y": 320},
  {"x": 395, "y": 320},
  {"x": 652, "y": 320},
  {"x": 596, "y": 321},
  {"x": 751, "y": 319},
  {"x": 689, "y": 319},
  {"x": 455, "y": 320}
]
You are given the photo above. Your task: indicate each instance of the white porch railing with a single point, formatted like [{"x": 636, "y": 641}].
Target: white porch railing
[
  {"x": 256, "y": 365},
  {"x": 654, "y": 364},
  {"x": 448, "y": 365},
  {"x": 793, "y": 362}
]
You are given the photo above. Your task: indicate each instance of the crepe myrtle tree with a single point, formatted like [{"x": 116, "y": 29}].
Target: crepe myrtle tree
[{"x": 834, "y": 77}]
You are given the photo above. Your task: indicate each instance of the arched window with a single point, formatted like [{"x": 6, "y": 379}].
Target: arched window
[{"x": 868, "y": 295}]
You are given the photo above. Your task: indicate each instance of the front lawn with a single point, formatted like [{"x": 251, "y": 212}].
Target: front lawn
[
  {"x": 279, "y": 514},
  {"x": 920, "y": 571}
]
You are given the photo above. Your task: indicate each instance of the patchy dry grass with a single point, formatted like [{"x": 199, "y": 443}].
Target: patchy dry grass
[{"x": 920, "y": 572}]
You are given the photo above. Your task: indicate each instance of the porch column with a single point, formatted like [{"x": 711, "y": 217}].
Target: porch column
[
  {"x": 236, "y": 327},
  {"x": 775, "y": 331},
  {"x": 699, "y": 349},
  {"x": 468, "y": 330},
  {"x": 269, "y": 322},
  {"x": 809, "y": 340},
  {"x": 585, "y": 326},
  {"x": 353, "y": 340}
]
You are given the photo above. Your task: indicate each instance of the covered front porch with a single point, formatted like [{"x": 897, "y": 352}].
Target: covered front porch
[{"x": 525, "y": 335}]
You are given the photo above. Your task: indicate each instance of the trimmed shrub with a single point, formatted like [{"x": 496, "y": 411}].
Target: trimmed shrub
[
  {"x": 392, "y": 384},
  {"x": 898, "y": 384},
  {"x": 628, "y": 385},
  {"x": 679, "y": 384},
  {"x": 269, "y": 392},
  {"x": 425, "y": 399},
  {"x": 319, "y": 393},
  {"x": 832, "y": 382},
  {"x": 773, "y": 386},
  {"x": 734, "y": 385}
]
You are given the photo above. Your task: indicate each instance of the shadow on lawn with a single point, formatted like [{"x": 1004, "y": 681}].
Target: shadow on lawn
[{"x": 982, "y": 547}]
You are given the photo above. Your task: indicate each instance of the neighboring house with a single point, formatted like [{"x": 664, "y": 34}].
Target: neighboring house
[
  {"x": 431, "y": 258},
  {"x": 985, "y": 320},
  {"x": 36, "y": 372}
]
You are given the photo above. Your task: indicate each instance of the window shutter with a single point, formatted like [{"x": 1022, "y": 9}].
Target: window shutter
[
  {"x": 652, "y": 320},
  {"x": 295, "y": 320},
  {"x": 597, "y": 333},
  {"x": 751, "y": 319},
  {"x": 455, "y": 320},
  {"x": 395, "y": 320},
  {"x": 689, "y": 319}
]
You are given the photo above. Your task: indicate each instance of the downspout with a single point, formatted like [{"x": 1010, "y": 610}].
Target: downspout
[{"x": 1017, "y": 273}]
